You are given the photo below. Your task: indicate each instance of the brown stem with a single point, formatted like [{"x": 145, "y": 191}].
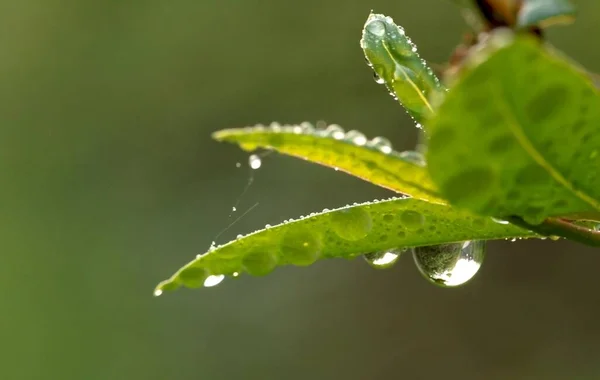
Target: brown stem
[{"x": 562, "y": 228}]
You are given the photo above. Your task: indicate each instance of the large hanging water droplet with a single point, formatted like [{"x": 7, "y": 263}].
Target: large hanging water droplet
[
  {"x": 158, "y": 293},
  {"x": 356, "y": 137},
  {"x": 335, "y": 131},
  {"x": 376, "y": 27},
  {"x": 378, "y": 79},
  {"x": 383, "y": 259},
  {"x": 254, "y": 161},
  {"x": 213, "y": 280},
  {"x": 382, "y": 144},
  {"x": 450, "y": 264}
]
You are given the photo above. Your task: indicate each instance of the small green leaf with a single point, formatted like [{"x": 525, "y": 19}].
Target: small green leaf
[
  {"x": 518, "y": 134},
  {"x": 343, "y": 233},
  {"x": 396, "y": 62},
  {"x": 350, "y": 152},
  {"x": 545, "y": 13}
]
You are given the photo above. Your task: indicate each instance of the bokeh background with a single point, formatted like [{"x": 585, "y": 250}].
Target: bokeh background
[{"x": 110, "y": 182}]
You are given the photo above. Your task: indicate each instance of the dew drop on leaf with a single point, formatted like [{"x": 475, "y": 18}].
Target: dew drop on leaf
[
  {"x": 259, "y": 263},
  {"x": 213, "y": 280},
  {"x": 413, "y": 156},
  {"x": 158, "y": 293},
  {"x": 500, "y": 221},
  {"x": 254, "y": 161},
  {"x": 351, "y": 224},
  {"x": 382, "y": 144},
  {"x": 301, "y": 248},
  {"x": 378, "y": 79},
  {"x": 377, "y": 28},
  {"x": 356, "y": 137},
  {"x": 383, "y": 259},
  {"x": 335, "y": 131},
  {"x": 451, "y": 264},
  {"x": 412, "y": 220},
  {"x": 306, "y": 127}
]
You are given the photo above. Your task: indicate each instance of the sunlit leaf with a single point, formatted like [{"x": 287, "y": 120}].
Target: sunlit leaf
[
  {"x": 351, "y": 152},
  {"x": 343, "y": 233},
  {"x": 394, "y": 58},
  {"x": 545, "y": 13},
  {"x": 518, "y": 134}
]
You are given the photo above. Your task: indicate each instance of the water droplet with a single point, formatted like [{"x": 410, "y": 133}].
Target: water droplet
[
  {"x": 239, "y": 236},
  {"x": 158, "y": 293},
  {"x": 378, "y": 79},
  {"x": 307, "y": 127},
  {"x": 412, "y": 220},
  {"x": 236, "y": 274},
  {"x": 259, "y": 263},
  {"x": 254, "y": 161},
  {"x": 267, "y": 226},
  {"x": 335, "y": 131},
  {"x": 192, "y": 277},
  {"x": 382, "y": 144},
  {"x": 301, "y": 248},
  {"x": 383, "y": 259},
  {"x": 238, "y": 164},
  {"x": 213, "y": 280},
  {"x": 376, "y": 27},
  {"x": 414, "y": 157},
  {"x": 356, "y": 137},
  {"x": 500, "y": 221},
  {"x": 352, "y": 223},
  {"x": 233, "y": 209},
  {"x": 450, "y": 264}
]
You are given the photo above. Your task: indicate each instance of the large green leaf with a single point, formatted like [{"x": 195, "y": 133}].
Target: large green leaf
[
  {"x": 518, "y": 134},
  {"x": 343, "y": 233},
  {"x": 545, "y": 13},
  {"x": 396, "y": 62},
  {"x": 351, "y": 152}
]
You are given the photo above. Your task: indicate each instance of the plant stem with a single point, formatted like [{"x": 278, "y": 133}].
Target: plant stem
[{"x": 562, "y": 228}]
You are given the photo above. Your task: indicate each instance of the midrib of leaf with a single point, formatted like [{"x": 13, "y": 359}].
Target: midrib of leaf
[
  {"x": 407, "y": 77},
  {"x": 518, "y": 132}
]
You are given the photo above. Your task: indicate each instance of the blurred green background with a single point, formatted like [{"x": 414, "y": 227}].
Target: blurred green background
[{"x": 110, "y": 182}]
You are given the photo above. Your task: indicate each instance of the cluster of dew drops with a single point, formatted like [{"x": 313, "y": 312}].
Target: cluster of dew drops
[
  {"x": 335, "y": 132},
  {"x": 377, "y": 27},
  {"x": 461, "y": 261}
]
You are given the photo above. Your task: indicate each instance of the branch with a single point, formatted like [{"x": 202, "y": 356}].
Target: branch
[{"x": 562, "y": 228}]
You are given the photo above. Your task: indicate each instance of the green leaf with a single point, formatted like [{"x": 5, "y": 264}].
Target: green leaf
[
  {"x": 371, "y": 160},
  {"x": 518, "y": 134},
  {"x": 545, "y": 13},
  {"x": 396, "y": 62},
  {"x": 343, "y": 233}
]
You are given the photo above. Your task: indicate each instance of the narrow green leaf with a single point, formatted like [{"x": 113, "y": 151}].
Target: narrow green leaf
[
  {"x": 343, "y": 233},
  {"x": 518, "y": 134},
  {"x": 396, "y": 62},
  {"x": 545, "y": 13},
  {"x": 371, "y": 160}
]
